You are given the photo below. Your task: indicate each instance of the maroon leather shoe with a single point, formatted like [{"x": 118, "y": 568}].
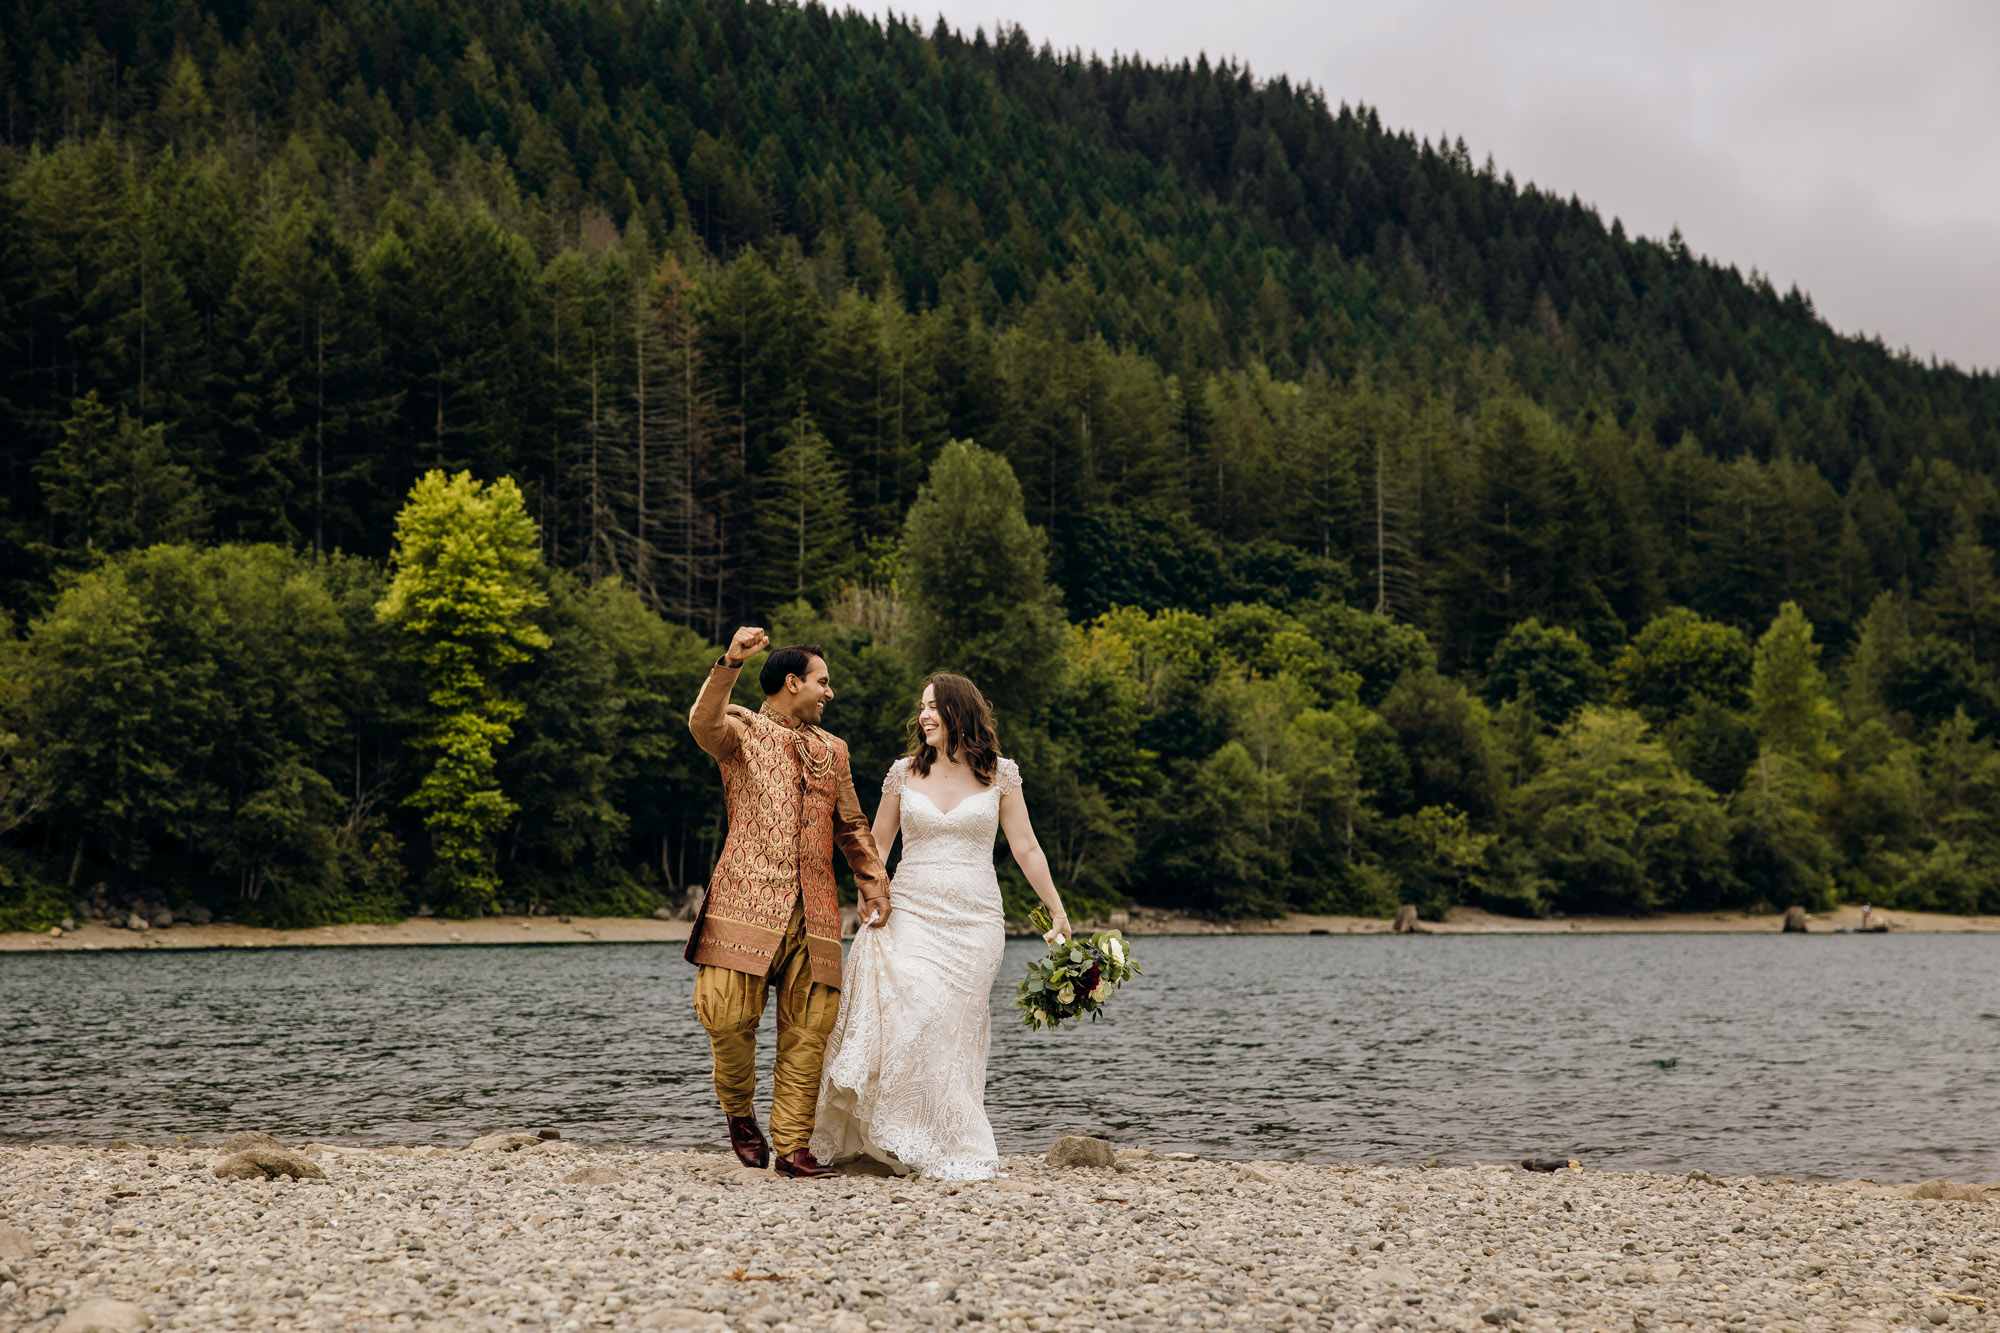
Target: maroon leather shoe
[
  {"x": 802, "y": 1165},
  {"x": 747, "y": 1138}
]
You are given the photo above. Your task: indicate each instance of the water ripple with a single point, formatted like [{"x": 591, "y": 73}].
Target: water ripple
[{"x": 1822, "y": 1057}]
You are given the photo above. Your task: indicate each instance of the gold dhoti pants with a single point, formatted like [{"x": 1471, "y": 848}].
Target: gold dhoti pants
[{"x": 730, "y": 1005}]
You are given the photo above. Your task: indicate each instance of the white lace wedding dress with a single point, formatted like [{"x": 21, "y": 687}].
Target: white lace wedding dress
[{"x": 905, "y": 1073}]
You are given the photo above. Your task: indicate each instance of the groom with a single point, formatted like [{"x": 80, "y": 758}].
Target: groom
[{"x": 772, "y": 917}]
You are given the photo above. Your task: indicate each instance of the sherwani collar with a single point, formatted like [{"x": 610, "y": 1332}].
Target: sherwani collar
[{"x": 785, "y": 720}]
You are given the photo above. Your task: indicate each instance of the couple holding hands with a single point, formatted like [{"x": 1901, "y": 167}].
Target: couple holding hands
[{"x": 886, "y": 1057}]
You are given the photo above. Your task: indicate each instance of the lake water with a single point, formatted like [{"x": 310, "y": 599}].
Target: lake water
[{"x": 1824, "y": 1056}]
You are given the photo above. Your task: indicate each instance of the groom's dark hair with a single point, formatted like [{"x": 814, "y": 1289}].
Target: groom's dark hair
[{"x": 792, "y": 660}]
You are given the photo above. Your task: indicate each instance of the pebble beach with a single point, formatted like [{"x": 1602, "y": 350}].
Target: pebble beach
[{"x": 522, "y": 1231}]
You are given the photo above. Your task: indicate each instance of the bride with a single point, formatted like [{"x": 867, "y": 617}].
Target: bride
[{"x": 905, "y": 1073}]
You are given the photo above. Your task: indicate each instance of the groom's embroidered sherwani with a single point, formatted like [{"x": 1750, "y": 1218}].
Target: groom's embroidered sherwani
[{"x": 772, "y": 913}]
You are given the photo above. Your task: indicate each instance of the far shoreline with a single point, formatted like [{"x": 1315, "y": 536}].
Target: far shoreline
[{"x": 433, "y": 932}]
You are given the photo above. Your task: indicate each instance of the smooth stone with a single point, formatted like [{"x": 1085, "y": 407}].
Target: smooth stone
[
  {"x": 15, "y": 1243},
  {"x": 1079, "y": 1150},
  {"x": 162, "y": 919},
  {"x": 137, "y": 922},
  {"x": 101, "y": 1315},
  {"x": 268, "y": 1164},
  {"x": 595, "y": 1175},
  {"x": 1795, "y": 920}
]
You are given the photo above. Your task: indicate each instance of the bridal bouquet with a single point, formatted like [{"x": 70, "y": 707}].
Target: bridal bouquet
[{"x": 1076, "y": 977}]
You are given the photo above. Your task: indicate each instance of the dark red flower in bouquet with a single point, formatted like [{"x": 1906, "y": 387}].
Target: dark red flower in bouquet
[{"x": 1088, "y": 981}]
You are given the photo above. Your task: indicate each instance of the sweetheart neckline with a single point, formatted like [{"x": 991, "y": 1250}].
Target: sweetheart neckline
[{"x": 956, "y": 807}]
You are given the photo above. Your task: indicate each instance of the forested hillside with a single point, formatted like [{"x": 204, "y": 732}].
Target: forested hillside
[{"x": 1395, "y": 506}]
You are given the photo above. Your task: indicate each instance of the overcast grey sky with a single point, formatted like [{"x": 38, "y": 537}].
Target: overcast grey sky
[{"x": 1852, "y": 148}]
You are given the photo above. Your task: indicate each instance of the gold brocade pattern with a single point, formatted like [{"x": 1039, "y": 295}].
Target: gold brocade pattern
[{"x": 790, "y": 798}]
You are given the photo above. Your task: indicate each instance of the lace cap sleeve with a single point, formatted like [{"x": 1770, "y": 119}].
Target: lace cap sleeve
[
  {"x": 892, "y": 781},
  {"x": 1007, "y": 776}
]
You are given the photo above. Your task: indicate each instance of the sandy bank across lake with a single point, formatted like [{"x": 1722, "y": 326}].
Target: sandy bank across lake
[
  {"x": 561, "y": 1237},
  {"x": 431, "y": 931}
]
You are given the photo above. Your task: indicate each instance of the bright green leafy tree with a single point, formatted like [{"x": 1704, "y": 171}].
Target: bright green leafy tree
[
  {"x": 1789, "y": 708},
  {"x": 1617, "y": 827},
  {"x": 1678, "y": 657},
  {"x": 465, "y": 592},
  {"x": 1549, "y": 667}
]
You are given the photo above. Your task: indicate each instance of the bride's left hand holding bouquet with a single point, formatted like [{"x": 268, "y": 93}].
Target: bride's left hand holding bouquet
[{"x": 1077, "y": 976}]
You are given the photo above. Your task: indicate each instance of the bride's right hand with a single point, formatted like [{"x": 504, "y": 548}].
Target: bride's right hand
[{"x": 1058, "y": 931}]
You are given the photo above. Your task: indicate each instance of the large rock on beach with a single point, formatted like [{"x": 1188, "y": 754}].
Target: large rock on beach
[
  {"x": 1958, "y": 1190},
  {"x": 268, "y": 1164},
  {"x": 596, "y": 1175},
  {"x": 105, "y": 1316},
  {"x": 1077, "y": 1150},
  {"x": 15, "y": 1243},
  {"x": 134, "y": 921},
  {"x": 1795, "y": 920},
  {"x": 245, "y": 1139},
  {"x": 1406, "y": 921}
]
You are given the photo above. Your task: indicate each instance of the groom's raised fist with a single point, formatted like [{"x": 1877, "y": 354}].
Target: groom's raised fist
[{"x": 749, "y": 641}]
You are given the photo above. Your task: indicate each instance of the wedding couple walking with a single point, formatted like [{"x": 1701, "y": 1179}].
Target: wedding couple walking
[{"x": 888, "y": 1058}]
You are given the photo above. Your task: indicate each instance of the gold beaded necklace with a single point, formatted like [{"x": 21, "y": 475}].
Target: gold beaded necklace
[{"x": 817, "y": 766}]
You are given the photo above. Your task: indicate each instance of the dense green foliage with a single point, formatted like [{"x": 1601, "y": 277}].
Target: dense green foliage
[
  {"x": 1420, "y": 535},
  {"x": 462, "y": 599}
]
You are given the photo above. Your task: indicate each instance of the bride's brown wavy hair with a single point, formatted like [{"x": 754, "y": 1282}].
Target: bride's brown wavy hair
[{"x": 969, "y": 721}]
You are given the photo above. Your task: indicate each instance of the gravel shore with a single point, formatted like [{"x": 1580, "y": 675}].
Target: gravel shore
[{"x": 556, "y": 1236}]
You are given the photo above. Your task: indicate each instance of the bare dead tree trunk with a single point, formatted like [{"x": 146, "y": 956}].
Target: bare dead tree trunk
[{"x": 319, "y": 431}]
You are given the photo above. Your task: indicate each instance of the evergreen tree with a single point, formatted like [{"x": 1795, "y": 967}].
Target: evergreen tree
[
  {"x": 979, "y": 598},
  {"x": 1964, "y": 601},
  {"x": 113, "y": 485},
  {"x": 307, "y": 406},
  {"x": 805, "y": 544}
]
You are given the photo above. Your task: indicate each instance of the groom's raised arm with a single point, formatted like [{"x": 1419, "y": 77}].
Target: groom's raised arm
[{"x": 714, "y": 729}]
